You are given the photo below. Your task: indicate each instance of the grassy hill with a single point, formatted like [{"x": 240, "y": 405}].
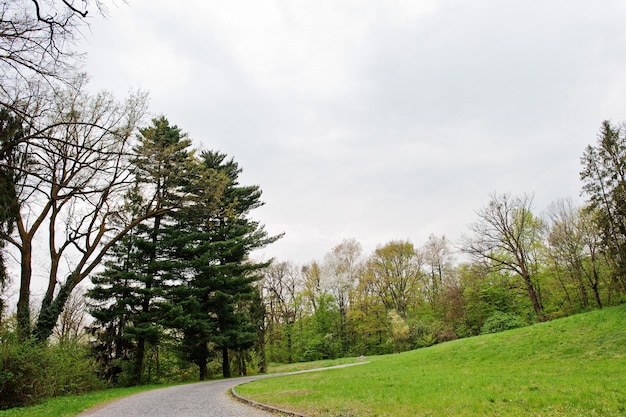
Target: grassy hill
[{"x": 574, "y": 366}]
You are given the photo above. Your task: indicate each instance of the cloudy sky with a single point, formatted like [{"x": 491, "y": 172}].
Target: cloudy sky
[{"x": 375, "y": 120}]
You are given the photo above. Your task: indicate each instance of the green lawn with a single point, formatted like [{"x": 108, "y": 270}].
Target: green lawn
[{"x": 570, "y": 367}]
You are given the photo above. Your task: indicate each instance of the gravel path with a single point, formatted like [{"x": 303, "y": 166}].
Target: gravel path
[
  {"x": 209, "y": 398},
  {"x": 201, "y": 399}
]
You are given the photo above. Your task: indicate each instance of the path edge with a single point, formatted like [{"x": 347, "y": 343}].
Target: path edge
[
  {"x": 262, "y": 406},
  {"x": 273, "y": 409}
]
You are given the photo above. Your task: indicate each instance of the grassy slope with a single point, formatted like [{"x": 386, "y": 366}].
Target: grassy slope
[{"x": 574, "y": 366}]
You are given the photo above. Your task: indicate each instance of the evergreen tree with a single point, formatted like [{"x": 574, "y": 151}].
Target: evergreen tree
[
  {"x": 115, "y": 304},
  {"x": 165, "y": 168},
  {"x": 213, "y": 241},
  {"x": 604, "y": 178},
  {"x": 10, "y": 129}
]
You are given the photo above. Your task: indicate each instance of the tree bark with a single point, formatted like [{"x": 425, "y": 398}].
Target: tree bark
[
  {"x": 23, "y": 303},
  {"x": 225, "y": 363}
]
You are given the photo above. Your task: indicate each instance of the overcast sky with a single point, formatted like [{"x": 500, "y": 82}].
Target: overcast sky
[{"x": 375, "y": 120}]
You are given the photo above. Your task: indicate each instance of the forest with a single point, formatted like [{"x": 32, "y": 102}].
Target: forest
[{"x": 147, "y": 244}]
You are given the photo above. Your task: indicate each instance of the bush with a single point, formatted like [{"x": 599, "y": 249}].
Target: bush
[
  {"x": 33, "y": 371},
  {"x": 499, "y": 322}
]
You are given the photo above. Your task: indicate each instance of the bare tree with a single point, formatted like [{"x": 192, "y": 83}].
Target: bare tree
[
  {"x": 340, "y": 273},
  {"x": 437, "y": 261},
  {"x": 281, "y": 288},
  {"x": 70, "y": 178},
  {"x": 36, "y": 40},
  {"x": 72, "y": 321},
  {"x": 574, "y": 243},
  {"x": 508, "y": 236}
]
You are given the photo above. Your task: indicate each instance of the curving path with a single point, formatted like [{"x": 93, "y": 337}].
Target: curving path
[{"x": 209, "y": 398}]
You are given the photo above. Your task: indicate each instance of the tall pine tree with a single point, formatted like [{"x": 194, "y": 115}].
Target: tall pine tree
[
  {"x": 166, "y": 169},
  {"x": 217, "y": 275}
]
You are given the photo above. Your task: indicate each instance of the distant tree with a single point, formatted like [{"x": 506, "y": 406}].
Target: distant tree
[
  {"x": 604, "y": 182},
  {"x": 313, "y": 283},
  {"x": 574, "y": 245},
  {"x": 341, "y": 270},
  {"x": 437, "y": 262},
  {"x": 282, "y": 287},
  {"x": 394, "y": 273},
  {"x": 508, "y": 237},
  {"x": 73, "y": 319},
  {"x": 400, "y": 332}
]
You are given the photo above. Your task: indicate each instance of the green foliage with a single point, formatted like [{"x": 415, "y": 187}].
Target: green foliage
[
  {"x": 34, "y": 371},
  {"x": 499, "y": 322},
  {"x": 10, "y": 130}
]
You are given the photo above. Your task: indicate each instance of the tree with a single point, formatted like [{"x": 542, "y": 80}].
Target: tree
[
  {"x": 239, "y": 235},
  {"x": 574, "y": 244},
  {"x": 282, "y": 288},
  {"x": 10, "y": 129},
  {"x": 36, "y": 40},
  {"x": 437, "y": 260},
  {"x": 394, "y": 273},
  {"x": 508, "y": 237},
  {"x": 604, "y": 182},
  {"x": 342, "y": 268},
  {"x": 115, "y": 305},
  {"x": 70, "y": 178},
  {"x": 166, "y": 177},
  {"x": 213, "y": 240}
]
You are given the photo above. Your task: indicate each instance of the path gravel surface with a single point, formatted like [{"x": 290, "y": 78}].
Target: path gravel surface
[
  {"x": 209, "y": 398},
  {"x": 192, "y": 400}
]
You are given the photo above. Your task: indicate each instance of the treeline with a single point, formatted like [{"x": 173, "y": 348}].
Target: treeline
[{"x": 514, "y": 267}]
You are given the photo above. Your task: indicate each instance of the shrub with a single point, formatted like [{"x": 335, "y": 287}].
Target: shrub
[
  {"x": 33, "y": 371},
  {"x": 499, "y": 322}
]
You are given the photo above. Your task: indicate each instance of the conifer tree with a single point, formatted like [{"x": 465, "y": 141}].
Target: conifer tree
[
  {"x": 214, "y": 241},
  {"x": 165, "y": 166}
]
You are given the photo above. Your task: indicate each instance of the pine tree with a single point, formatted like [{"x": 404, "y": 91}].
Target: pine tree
[
  {"x": 165, "y": 168},
  {"x": 214, "y": 240}
]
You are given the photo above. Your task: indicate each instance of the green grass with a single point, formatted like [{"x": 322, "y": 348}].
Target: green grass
[
  {"x": 274, "y": 368},
  {"x": 574, "y": 366},
  {"x": 73, "y": 405}
]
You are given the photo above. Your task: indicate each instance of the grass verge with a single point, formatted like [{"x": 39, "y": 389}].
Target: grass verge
[
  {"x": 67, "y": 406},
  {"x": 569, "y": 367}
]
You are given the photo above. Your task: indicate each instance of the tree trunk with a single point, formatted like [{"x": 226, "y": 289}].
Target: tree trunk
[
  {"x": 140, "y": 352},
  {"x": 534, "y": 298},
  {"x": 23, "y": 303},
  {"x": 50, "y": 311},
  {"x": 225, "y": 363},
  {"x": 204, "y": 370}
]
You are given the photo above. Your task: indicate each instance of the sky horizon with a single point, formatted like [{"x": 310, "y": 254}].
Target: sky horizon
[{"x": 374, "y": 120}]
